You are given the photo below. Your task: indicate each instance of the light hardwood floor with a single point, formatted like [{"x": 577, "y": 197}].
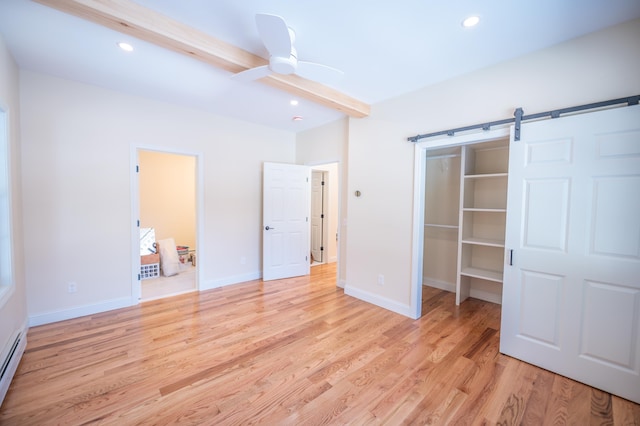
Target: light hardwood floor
[{"x": 294, "y": 351}]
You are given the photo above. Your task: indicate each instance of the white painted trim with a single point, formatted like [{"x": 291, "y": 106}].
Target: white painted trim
[
  {"x": 6, "y": 291},
  {"x": 136, "y": 285},
  {"x": 80, "y": 311},
  {"x": 342, "y": 283},
  {"x": 236, "y": 279},
  {"x": 466, "y": 139},
  {"x": 7, "y": 280},
  {"x": 378, "y": 300},
  {"x": 134, "y": 183},
  {"x": 419, "y": 168}
]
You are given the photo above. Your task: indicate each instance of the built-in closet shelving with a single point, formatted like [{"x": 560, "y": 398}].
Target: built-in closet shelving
[
  {"x": 464, "y": 238},
  {"x": 483, "y": 196}
]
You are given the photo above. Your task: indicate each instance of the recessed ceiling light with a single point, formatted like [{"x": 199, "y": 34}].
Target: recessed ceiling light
[
  {"x": 471, "y": 21},
  {"x": 297, "y": 118},
  {"x": 125, "y": 46},
  {"x": 294, "y": 102}
]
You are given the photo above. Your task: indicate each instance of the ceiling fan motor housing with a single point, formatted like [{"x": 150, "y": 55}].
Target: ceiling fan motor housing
[{"x": 284, "y": 65}]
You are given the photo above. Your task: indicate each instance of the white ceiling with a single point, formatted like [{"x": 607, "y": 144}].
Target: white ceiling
[{"x": 384, "y": 48}]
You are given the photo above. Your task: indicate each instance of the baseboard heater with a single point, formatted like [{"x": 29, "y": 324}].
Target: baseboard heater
[{"x": 10, "y": 363}]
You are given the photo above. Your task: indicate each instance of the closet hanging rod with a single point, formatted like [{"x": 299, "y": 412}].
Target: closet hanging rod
[
  {"x": 440, "y": 157},
  {"x": 519, "y": 117}
]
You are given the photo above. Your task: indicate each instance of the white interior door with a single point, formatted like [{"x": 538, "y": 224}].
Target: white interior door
[
  {"x": 571, "y": 298},
  {"x": 285, "y": 248},
  {"x": 317, "y": 215}
]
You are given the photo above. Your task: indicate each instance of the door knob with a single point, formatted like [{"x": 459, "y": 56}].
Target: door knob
[{"x": 267, "y": 228}]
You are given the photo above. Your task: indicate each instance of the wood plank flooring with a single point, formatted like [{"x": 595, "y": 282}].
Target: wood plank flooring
[{"x": 295, "y": 351}]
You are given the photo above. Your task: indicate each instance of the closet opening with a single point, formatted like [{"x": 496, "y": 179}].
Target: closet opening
[
  {"x": 167, "y": 223},
  {"x": 460, "y": 215}
]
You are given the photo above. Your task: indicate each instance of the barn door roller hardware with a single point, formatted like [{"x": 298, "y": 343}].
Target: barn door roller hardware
[{"x": 519, "y": 117}]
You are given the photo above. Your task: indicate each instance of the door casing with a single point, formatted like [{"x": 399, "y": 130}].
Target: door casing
[
  {"x": 420, "y": 163},
  {"x": 136, "y": 284}
]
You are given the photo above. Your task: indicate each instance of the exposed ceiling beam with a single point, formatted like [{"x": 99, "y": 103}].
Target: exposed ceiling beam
[{"x": 145, "y": 24}]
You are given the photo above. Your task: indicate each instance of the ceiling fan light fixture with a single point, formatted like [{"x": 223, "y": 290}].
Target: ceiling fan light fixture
[
  {"x": 278, "y": 38},
  {"x": 282, "y": 65},
  {"x": 125, "y": 46},
  {"x": 471, "y": 21},
  {"x": 294, "y": 102}
]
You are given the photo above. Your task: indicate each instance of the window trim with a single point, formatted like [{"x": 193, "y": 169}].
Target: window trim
[{"x": 7, "y": 282}]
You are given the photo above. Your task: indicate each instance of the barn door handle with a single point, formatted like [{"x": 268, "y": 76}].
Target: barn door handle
[
  {"x": 511, "y": 257},
  {"x": 267, "y": 228}
]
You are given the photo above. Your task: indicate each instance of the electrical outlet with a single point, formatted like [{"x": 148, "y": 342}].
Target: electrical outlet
[
  {"x": 380, "y": 279},
  {"x": 73, "y": 287}
]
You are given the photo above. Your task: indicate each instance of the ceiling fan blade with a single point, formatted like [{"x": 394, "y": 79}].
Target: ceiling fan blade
[
  {"x": 275, "y": 34},
  {"x": 252, "y": 74},
  {"x": 318, "y": 72}
]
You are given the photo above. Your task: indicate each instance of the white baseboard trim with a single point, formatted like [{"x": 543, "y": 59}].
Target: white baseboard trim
[
  {"x": 442, "y": 285},
  {"x": 342, "y": 283},
  {"x": 378, "y": 300},
  {"x": 487, "y": 296},
  {"x": 211, "y": 284},
  {"x": 80, "y": 311}
]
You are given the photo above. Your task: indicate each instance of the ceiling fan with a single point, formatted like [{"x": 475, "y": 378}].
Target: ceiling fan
[{"x": 278, "y": 38}]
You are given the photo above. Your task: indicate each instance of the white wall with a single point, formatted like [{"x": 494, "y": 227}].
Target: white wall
[
  {"x": 328, "y": 144},
  {"x": 596, "y": 67},
  {"x": 168, "y": 196},
  {"x": 77, "y": 142},
  {"x": 13, "y": 312}
]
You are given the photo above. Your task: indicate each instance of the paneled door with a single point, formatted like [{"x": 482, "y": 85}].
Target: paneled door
[
  {"x": 317, "y": 215},
  {"x": 285, "y": 244},
  {"x": 571, "y": 292}
]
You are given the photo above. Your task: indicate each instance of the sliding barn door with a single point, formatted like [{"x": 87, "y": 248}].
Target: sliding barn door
[
  {"x": 285, "y": 246},
  {"x": 571, "y": 298}
]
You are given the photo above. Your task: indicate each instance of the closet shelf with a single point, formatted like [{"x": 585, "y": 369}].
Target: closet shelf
[
  {"x": 474, "y": 209},
  {"x": 486, "y": 175},
  {"x": 484, "y": 274},
  {"x": 490, "y": 242}
]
